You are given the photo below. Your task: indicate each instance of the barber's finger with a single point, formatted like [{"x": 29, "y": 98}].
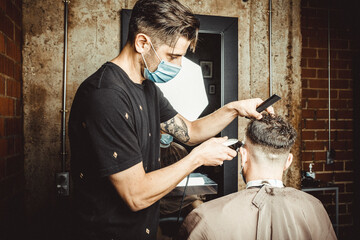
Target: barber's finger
[
  {"x": 221, "y": 139},
  {"x": 270, "y": 110}
]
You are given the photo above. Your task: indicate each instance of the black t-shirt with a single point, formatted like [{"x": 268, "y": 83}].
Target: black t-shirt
[{"x": 114, "y": 124}]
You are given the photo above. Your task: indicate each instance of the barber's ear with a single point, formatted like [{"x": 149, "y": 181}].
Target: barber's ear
[
  {"x": 244, "y": 156},
  {"x": 142, "y": 43},
  {"x": 288, "y": 161}
]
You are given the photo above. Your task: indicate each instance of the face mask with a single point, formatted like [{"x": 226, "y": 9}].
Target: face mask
[
  {"x": 164, "y": 72},
  {"x": 165, "y": 140}
]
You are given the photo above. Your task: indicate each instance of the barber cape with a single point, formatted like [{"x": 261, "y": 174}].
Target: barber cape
[{"x": 263, "y": 212}]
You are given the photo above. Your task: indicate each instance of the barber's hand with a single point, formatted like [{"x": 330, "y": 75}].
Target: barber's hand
[
  {"x": 247, "y": 108},
  {"x": 213, "y": 152}
]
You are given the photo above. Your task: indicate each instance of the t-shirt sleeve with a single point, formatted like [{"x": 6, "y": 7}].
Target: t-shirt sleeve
[
  {"x": 166, "y": 109},
  {"x": 111, "y": 129}
]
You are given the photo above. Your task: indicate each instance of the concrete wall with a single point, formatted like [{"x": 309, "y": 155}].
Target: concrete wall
[{"x": 94, "y": 37}]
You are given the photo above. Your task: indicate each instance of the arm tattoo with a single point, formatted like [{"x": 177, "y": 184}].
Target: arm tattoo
[{"x": 176, "y": 127}]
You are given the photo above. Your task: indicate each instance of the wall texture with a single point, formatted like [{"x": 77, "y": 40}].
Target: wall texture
[
  {"x": 94, "y": 37},
  {"x": 315, "y": 123},
  {"x": 11, "y": 133}
]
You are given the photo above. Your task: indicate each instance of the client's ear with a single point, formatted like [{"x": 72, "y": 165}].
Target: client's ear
[
  {"x": 288, "y": 161},
  {"x": 244, "y": 156}
]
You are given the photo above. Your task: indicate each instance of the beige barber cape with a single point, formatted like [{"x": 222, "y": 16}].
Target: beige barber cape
[{"x": 260, "y": 213}]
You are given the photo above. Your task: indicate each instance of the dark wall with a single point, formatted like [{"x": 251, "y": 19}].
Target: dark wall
[
  {"x": 11, "y": 117},
  {"x": 344, "y": 103}
]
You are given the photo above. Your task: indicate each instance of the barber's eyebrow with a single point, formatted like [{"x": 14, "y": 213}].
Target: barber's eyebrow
[{"x": 176, "y": 54}]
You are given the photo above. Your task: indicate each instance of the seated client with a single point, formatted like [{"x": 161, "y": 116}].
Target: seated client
[{"x": 266, "y": 209}]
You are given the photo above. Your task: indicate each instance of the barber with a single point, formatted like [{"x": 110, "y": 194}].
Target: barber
[{"x": 115, "y": 123}]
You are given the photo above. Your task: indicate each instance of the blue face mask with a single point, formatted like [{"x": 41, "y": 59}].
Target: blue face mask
[
  {"x": 164, "y": 72},
  {"x": 165, "y": 140}
]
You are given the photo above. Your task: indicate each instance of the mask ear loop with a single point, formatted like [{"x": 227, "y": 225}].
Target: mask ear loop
[
  {"x": 155, "y": 51},
  {"x": 144, "y": 61}
]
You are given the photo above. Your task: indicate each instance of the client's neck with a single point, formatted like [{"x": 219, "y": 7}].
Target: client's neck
[{"x": 261, "y": 173}]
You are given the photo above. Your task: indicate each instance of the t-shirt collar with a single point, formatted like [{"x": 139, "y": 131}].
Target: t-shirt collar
[{"x": 268, "y": 182}]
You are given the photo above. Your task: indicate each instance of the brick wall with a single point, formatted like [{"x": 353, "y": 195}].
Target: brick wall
[
  {"x": 314, "y": 134},
  {"x": 11, "y": 131}
]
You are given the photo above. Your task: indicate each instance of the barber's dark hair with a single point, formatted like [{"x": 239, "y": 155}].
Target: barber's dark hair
[
  {"x": 272, "y": 132},
  {"x": 164, "y": 21},
  {"x": 172, "y": 154}
]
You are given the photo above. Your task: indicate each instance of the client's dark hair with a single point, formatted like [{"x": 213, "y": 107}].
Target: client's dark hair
[
  {"x": 172, "y": 154},
  {"x": 272, "y": 132},
  {"x": 164, "y": 21}
]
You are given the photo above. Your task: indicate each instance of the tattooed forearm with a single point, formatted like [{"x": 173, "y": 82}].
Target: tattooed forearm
[{"x": 176, "y": 127}]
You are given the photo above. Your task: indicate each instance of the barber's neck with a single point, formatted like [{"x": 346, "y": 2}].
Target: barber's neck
[{"x": 128, "y": 60}]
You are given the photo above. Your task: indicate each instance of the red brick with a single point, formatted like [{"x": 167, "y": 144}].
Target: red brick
[
  {"x": 10, "y": 146},
  {"x": 2, "y": 43},
  {"x": 318, "y": 43},
  {"x": 324, "y": 73},
  {"x": 17, "y": 72},
  {"x": 3, "y": 5},
  {"x": 320, "y": 156},
  {"x": 2, "y": 127},
  {"x": 6, "y": 106},
  {"x": 340, "y": 64},
  {"x": 344, "y": 155},
  {"x": 346, "y": 94},
  {"x": 314, "y": 145},
  {"x": 18, "y": 108},
  {"x": 2, "y": 169},
  {"x": 345, "y": 114},
  {"x": 3, "y": 147},
  {"x": 336, "y": 166},
  {"x": 307, "y": 156},
  {"x": 18, "y": 142},
  {"x": 349, "y": 165},
  {"x": 345, "y": 74},
  {"x": 339, "y": 104},
  {"x": 345, "y": 197},
  {"x": 304, "y": 83},
  {"x": 317, "y": 63},
  {"x": 14, "y": 165},
  {"x": 318, "y": 167},
  {"x": 6, "y": 66},
  {"x": 315, "y": 124},
  {"x": 307, "y": 135},
  {"x": 13, "y": 12},
  {"x": 340, "y": 124},
  {"x": 324, "y": 114},
  {"x": 303, "y": 63},
  {"x": 339, "y": 44},
  {"x": 10, "y": 49},
  {"x": 308, "y": 113},
  {"x": 345, "y": 135},
  {"x": 325, "y": 94},
  {"x": 326, "y": 177},
  {"x": 13, "y": 126},
  {"x": 318, "y": 83},
  {"x": 18, "y": 36},
  {"x": 308, "y": 73},
  {"x": 340, "y": 84},
  {"x": 2, "y": 86},
  {"x": 347, "y": 55},
  {"x": 324, "y": 135},
  {"x": 315, "y": 103},
  {"x": 13, "y": 88},
  {"x": 308, "y": 53},
  {"x": 309, "y": 93},
  {"x": 344, "y": 177},
  {"x": 6, "y": 26},
  {"x": 349, "y": 187}
]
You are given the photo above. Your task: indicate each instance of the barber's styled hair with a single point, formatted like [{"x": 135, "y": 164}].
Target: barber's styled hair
[
  {"x": 272, "y": 132},
  {"x": 164, "y": 21}
]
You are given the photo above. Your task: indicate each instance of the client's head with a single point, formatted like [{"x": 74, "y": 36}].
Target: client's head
[{"x": 266, "y": 152}]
